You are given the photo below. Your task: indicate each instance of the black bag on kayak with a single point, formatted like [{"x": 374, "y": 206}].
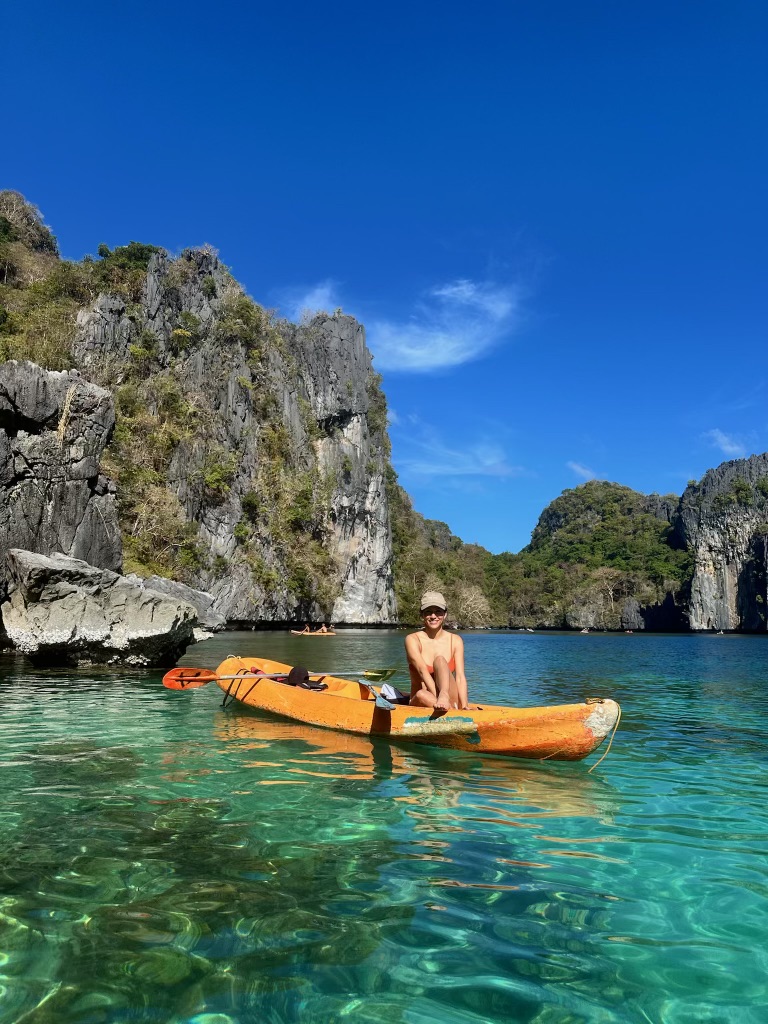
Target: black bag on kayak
[{"x": 299, "y": 676}]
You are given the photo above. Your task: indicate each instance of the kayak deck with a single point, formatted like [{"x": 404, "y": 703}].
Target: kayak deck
[{"x": 566, "y": 732}]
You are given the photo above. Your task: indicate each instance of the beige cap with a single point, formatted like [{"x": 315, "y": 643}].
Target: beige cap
[{"x": 433, "y": 599}]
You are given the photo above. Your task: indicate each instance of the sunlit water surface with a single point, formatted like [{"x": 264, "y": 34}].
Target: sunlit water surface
[{"x": 162, "y": 860}]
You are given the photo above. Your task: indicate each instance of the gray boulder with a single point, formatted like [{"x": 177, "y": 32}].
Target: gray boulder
[
  {"x": 62, "y": 611},
  {"x": 207, "y": 617}
]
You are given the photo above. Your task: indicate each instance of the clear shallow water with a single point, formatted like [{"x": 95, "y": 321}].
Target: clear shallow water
[{"x": 162, "y": 860}]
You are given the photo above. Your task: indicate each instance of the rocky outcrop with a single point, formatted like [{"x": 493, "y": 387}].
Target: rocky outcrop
[
  {"x": 669, "y": 615},
  {"x": 63, "y": 611},
  {"x": 53, "y": 497},
  {"x": 208, "y": 619},
  {"x": 724, "y": 520},
  {"x": 283, "y": 478},
  {"x": 595, "y": 610},
  {"x": 335, "y": 366}
]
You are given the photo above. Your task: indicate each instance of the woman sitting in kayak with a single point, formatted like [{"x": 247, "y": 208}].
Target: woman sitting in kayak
[{"x": 436, "y": 659}]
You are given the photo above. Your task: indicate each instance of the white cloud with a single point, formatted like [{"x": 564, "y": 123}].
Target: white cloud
[
  {"x": 727, "y": 445},
  {"x": 452, "y": 324},
  {"x": 430, "y": 458},
  {"x": 583, "y": 471},
  {"x": 298, "y": 302}
]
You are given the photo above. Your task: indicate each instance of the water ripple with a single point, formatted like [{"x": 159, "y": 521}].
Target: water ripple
[{"x": 161, "y": 860}]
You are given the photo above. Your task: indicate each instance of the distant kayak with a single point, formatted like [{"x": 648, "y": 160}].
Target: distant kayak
[
  {"x": 317, "y": 632},
  {"x": 566, "y": 732}
]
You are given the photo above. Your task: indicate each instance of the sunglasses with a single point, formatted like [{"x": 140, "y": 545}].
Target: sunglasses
[{"x": 439, "y": 612}]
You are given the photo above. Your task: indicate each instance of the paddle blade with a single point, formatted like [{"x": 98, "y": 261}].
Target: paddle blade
[
  {"x": 379, "y": 675},
  {"x": 188, "y": 678}
]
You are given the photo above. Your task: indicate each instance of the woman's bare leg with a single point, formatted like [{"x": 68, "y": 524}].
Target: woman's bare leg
[
  {"x": 443, "y": 679},
  {"x": 455, "y": 693},
  {"x": 461, "y": 693},
  {"x": 423, "y": 698}
]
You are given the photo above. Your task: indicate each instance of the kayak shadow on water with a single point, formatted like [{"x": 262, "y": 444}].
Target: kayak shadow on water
[
  {"x": 546, "y": 789},
  {"x": 323, "y": 754}
]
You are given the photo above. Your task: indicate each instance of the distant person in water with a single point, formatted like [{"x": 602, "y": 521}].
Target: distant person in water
[{"x": 436, "y": 659}]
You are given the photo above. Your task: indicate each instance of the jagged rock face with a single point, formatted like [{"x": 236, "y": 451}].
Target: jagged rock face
[
  {"x": 207, "y": 618},
  {"x": 53, "y": 429},
  {"x": 63, "y": 611},
  {"x": 335, "y": 367},
  {"x": 724, "y": 519},
  {"x": 661, "y": 506},
  {"x": 296, "y": 404}
]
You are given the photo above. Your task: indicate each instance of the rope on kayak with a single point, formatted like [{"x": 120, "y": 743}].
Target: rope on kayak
[
  {"x": 228, "y": 696},
  {"x": 248, "y": 674},
  {"x": 232, "y": 682},
  {"x": 610, "y": 741}
]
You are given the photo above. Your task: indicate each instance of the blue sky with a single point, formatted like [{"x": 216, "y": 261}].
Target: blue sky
[{"x": 551, "y": 216}]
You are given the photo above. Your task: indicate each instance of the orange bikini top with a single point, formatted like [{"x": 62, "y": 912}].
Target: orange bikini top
[{"x": 451, "y": 663}]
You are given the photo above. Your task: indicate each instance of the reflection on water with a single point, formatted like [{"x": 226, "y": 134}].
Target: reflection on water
[
  {"x": 527, "y": 790},
  {"x": 164, "y": 860}
]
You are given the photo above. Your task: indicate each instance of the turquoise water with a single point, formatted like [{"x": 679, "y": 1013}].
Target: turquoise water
[{"x": 162, "y": 860}]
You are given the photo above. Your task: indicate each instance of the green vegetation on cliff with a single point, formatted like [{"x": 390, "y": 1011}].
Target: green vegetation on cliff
[
  {"x": 594, "y": 546},
  {"x": 429, "y": 557},
  {"x": 40, "y": 294},
  {"x": 163, "y": 422},
  {"x": 606, "y": 524}
]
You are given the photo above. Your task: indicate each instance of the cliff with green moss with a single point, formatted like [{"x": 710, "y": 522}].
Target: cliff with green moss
[
  {"x": 602, "y": 556},
  {"x": 249, "y": 454}
]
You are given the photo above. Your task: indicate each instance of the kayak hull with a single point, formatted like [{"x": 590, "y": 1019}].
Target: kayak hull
[
  {"x": 566, "y": 732},
  {"x": 300, "y": 632}
]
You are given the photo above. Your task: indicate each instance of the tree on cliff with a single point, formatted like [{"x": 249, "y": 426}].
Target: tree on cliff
[{"x": 27, "y": 221}]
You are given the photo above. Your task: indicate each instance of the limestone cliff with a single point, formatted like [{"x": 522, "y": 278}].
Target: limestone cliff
[
  {"x": 53, "y": 495},
  {"x": 263, "y": 440},
  {"x": 724, "y": 520},
  {"x": 601, "y": 557}
]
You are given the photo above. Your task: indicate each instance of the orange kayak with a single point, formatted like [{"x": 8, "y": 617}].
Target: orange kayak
[
  {"x": 565, "y": 732},
  {"x": 302, "y": 632}
]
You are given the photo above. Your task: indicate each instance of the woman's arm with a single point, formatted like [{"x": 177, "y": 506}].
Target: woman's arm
[{"x": 461, "y": 679}]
